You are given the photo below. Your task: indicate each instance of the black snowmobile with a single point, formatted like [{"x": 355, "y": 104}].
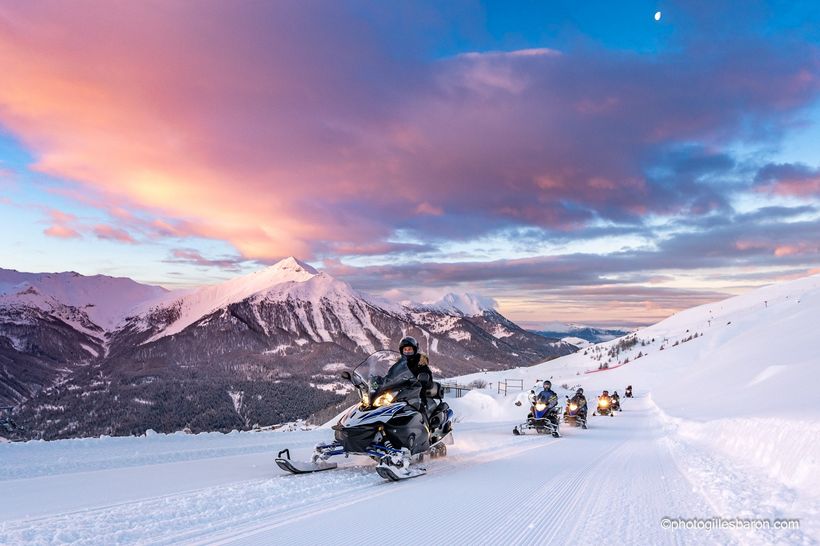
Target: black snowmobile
[
  {"x": 541, "y": 419},
  {"x": 604, "y": 405},
  {"x": 628, "y": 392},
  {"x": 389, "y": 425},
  {"x": 573, "y": 415}
]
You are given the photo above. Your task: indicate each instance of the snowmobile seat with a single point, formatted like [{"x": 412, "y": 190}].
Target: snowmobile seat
[{"x": 436, "y": 390}]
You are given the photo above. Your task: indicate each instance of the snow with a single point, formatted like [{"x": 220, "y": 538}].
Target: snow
[
  {"x": 466, "y": 304},
  {"x": 105, "y": 300},
  {"x": 197, "y": 303},
  {"x": 577, "y": 341},
  {"x": 91, "y": 350},
  {"x": 459, "y": 335},
  {"x": 724, "y": 424},
  {"x": 236, "y": 399},
  {"x": 279, "y": 349},
  {"x": 500, "y": 332}
]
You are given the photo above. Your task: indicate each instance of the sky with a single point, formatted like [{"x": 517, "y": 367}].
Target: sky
[{"x": 574, "y": 161}]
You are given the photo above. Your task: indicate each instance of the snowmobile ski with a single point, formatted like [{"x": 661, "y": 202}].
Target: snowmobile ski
[
  {"x": 393, "y": 474},
  {"x": 301, "y": 467}
]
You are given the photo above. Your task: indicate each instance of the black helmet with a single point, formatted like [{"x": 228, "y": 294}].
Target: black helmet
[
  {"x": 615, "y": 393},
  {"x": 409, "y": 341},
  {"x": 579, "y": 391},
  {"x": 606, "y": 393},
  {"x": 548, "y": 384}
]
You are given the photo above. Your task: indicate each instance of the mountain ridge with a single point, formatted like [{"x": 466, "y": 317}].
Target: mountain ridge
[{"x": 286, "y": 323}]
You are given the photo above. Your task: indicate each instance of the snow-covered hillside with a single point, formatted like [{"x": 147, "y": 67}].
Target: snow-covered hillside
[
  {"x": 724, "y": 425},
  {"x": 105, "y": 300},
  {"x": 119, "y": 348}
]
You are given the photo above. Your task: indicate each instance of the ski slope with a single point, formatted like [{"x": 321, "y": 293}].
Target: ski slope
[{"x": 723, "y": 425}]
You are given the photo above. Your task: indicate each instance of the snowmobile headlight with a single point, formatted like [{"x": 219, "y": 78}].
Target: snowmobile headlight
[
  {"x": 603, "y": 403},
  {"x": 540, "y": 406},
  {"x": 384, "y": 399},
  {"x": 365, "y": 399},
  {"x": 573, "y": 407}
]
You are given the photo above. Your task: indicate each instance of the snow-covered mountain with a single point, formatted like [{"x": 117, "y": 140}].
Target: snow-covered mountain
[
  {"x": 53, "y": 322},
  {"x": 466, "y": 304},
  {"x": 579, "y": 335},
  {"x": 81, "y": 301},
  {"x": 235, "y": 342}
]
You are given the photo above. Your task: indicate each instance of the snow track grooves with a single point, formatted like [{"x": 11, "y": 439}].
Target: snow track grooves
[
  {"x": 377, "y": 487},
  {"x": 619, "y": 478}
]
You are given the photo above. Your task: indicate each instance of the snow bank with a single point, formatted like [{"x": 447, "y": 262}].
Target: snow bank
[
  {"x": 785, "y": 451},
  {"x": 477, "y": 406}
]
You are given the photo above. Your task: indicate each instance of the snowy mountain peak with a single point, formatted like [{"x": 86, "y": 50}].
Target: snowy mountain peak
[
  {"x": 466, "y": 304},
  {"x": 287, "y": 270},
  {"x": 292, "y": 264}
]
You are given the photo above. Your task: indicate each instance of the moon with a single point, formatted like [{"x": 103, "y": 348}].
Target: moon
[{"x": 657, "y": 16}]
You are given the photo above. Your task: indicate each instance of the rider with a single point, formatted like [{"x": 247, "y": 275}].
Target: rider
[
  {"x": 629, "y": 391},
  {"x": 580, "y": 400},
  {"x": 605, "y": 396},
  {"x": 548, "y": 397},
  {"x": 418, "y": 364}
]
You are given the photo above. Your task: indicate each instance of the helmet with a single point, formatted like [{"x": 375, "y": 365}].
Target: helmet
[
  {"x": 547, "y": 384},
  {"x": 615, "y": 393},
  {"x": 409, "y": 342},
  {"x": 606, "y": 393},
  {"x": 579, "y": 391}
]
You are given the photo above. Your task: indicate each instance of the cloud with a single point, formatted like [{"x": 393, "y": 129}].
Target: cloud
[
  {"x": 103, "y": 231},
  {"x": 789, "y": 179},
  {"x": 304, "y": 128},
  {"x": 192, "y": 256},
  {"x": 62, "y": 232},
  {"x": 63, "y": 225},
  {"x": 380, "y": 249}
]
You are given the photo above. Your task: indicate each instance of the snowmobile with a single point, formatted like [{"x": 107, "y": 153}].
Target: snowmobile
[
  {"x": 573, "y": 416},
  {"x": 628, "y": 392},
  {"x": 604, "y": 406},
  {"x": 541, "y": 419},
  {"x": 389, "y": 424},
  {"x": 615, "y": 404}
]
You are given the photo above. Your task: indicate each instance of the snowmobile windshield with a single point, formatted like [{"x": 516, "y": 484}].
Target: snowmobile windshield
[{"x": 382, "y": 370}]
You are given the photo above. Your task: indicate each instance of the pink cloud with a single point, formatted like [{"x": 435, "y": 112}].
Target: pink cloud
[
  {"x": 789, "y": 179},
  {"x": 103, "y": 231},
  {"x": 61, "y": 232},
  {"x": 799, "y": 188},
  {"x": 63, "y": 225},
  {"x": 428, "y": 209},
  {"x": 796, "y": 249}
]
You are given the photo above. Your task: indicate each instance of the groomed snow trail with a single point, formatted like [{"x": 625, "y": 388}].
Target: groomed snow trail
[{"x": 617, "y": 479}]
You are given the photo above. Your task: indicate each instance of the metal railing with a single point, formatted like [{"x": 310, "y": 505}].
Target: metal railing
[
  {"x": 510, "y": 385},
  {"x": 459, "y": 390}
]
